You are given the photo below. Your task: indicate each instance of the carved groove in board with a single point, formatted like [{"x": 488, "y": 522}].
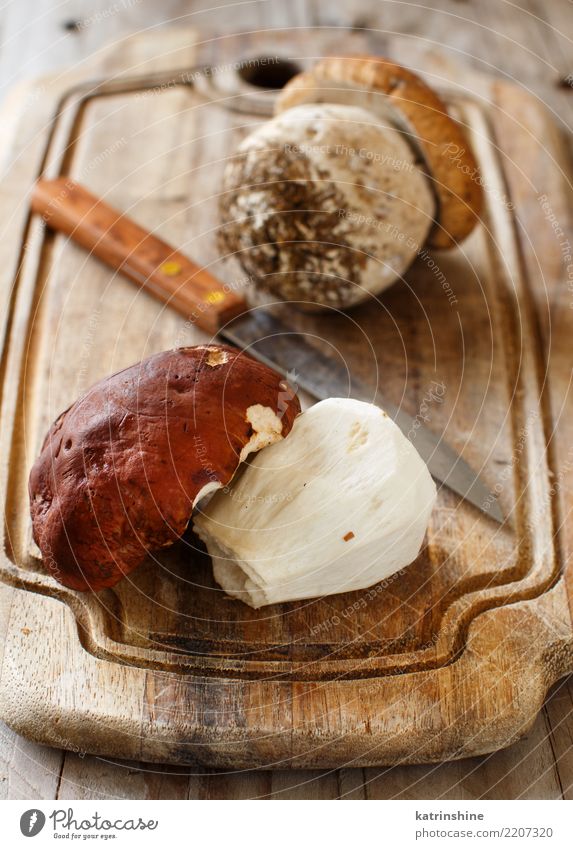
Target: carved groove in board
[{"x": 107, "y": 636}]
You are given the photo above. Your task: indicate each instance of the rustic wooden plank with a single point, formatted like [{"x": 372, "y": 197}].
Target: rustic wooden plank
[
  {"x": 526, "y": 41},
  {"x": 27, "y": 770},
  {"x": 63, "y": 35},
  {"x": 523, "y": 771},
  {"x": 238, "y": 785},
  {"x": 304, "y": 784},
  {"x": 86, "y": 777},
  {"x": 351, "y": 784},
  {"x": 559, "y": 717}
]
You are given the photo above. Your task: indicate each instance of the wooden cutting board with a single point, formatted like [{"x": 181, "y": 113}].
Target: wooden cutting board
[{"x": 453, "y": 656}]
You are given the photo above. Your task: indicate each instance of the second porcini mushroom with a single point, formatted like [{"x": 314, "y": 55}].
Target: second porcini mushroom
[{"x": 330, "y": 202}]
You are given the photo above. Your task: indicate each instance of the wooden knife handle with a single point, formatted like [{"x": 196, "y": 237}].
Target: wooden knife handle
[{"x": 125, "y": 246}]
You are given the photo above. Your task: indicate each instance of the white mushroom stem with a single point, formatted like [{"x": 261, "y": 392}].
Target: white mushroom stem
[{"x": 339, "y": 505}]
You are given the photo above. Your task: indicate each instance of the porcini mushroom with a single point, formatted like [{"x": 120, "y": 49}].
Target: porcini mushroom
[
  {"x": 339, "y": 505},
  {"x": 325, "y": 205},
  {"x": 121, "y": 470},
  {"x": 330, "y": 201},
  {"x": 392, "y": 92}
]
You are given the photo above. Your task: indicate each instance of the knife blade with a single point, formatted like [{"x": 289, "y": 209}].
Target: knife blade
[{"x": 176, "y": 280}]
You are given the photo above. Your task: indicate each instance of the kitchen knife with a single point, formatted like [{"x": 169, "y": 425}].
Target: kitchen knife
[{"x": 214, "y": 307}]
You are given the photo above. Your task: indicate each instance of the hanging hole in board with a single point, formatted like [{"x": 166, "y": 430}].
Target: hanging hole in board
[{"x": 268, "y": 72}]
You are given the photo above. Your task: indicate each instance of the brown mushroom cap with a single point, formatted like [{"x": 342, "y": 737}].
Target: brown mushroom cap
[
  {"x": 121, "y": 469},
  {"x": 387, "y": 88}
]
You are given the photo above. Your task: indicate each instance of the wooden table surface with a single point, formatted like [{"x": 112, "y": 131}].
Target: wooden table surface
[{"x": 530, "y": 42}]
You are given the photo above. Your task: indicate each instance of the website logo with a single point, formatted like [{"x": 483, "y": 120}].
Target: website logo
[{"x": 32, "y": 822}]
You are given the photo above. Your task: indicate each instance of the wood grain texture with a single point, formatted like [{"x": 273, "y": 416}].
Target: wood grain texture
[{"x": 326, "y": 779}]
